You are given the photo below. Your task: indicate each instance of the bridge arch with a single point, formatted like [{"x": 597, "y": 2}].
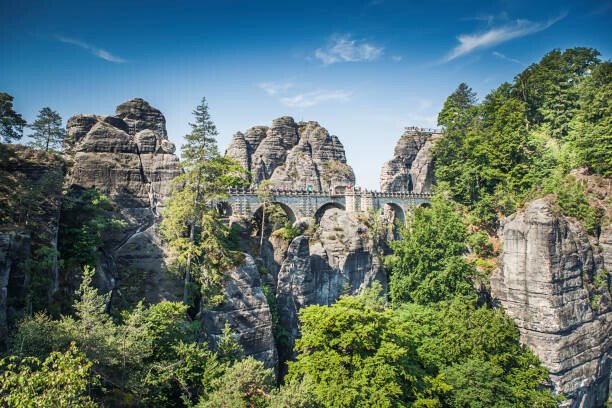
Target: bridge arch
[
  {"x": 321, "y": 210},
  {"x": 394, "y": 212},
  {"x": 224, "y": 209},
  {"x": 287, "y": 210}
]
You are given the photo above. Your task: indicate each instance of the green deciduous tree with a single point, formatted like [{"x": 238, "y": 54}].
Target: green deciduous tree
[
  {"x": 476, "y": 350},
  {"x": 427, "y": 265},
  {"x": 11, "y": 122},
  {"x": 48, "y": 131},
  {"x": 61, "y": 380},
  {"x": 354, "y": 354}
]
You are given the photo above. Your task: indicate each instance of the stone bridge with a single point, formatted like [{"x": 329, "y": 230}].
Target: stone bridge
[{"x": 299, "y": 204}]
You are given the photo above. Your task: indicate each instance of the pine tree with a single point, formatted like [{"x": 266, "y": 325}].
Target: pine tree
[
  {"x": 48, "y": 130},
  {"x": 11, "y": 122},
  {"x": 455, "y": 109},
  {"x": 191, "y": 225}
]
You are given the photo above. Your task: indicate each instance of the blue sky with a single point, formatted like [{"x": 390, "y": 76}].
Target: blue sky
[{"x": 363, "y": 69}]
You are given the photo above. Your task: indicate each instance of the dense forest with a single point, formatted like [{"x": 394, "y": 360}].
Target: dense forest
[{"x": 433, "y": 340}]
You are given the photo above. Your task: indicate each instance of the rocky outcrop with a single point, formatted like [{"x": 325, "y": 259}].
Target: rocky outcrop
[
  {"x": 341, "y": 258},
  {"x": 553, "y": 283},
  {"x": 129, "y": 158},
  {"x": 245, "y": 309},
  {"x": 30, "y": 203},
  {"x": 15, "y": 251},
  {"x": 411, "y": 168},
  {"x": 293, "y": 155}
]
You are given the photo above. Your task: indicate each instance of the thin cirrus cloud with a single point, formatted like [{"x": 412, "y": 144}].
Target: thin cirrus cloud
[
  {"x": 98, "y": 52},
  {"x": 275, "y": 88},
  {"x": 306, "y": 99},
  {"x": 506, "y": 58},
  {"x": 343, "y": 48},
  {"x": 309, "y": 99},
  {"x": 516, "y": 29}
]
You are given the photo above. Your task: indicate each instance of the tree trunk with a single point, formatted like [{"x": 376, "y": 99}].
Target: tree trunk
[
  {"x": 188, "y": 268},
  {"x": 263, "y": 226}
]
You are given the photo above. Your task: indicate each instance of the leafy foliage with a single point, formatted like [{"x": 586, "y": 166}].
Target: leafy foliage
[
  {"x": 87, "y": 218},
  {"x": 145, "y": 356},
  {"x": 191, "y": 224},
  {"x": 61, "y": 380},
  {"x": 245, "y": 384},
  {"x": 427, "y": 265},
  {"x": 354, "y": 354},
  {"x": 555, "y": 116}
]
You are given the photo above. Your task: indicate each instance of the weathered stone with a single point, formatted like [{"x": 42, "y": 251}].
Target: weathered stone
[
  {"x": 247, "y": 312},
  {"x": 292, "y": 155},
  {"x": 30, "y": 192},
  {"x": 546, "y": 283},
  {"x": 411, "y": 167},
  {"x": 129, "y": 158},
  {"x": 139, "y": 115},
  {"x": 422, "y": 169},
  {"x": 341, "y": 259},
  {"x": 15, "y": 251}
]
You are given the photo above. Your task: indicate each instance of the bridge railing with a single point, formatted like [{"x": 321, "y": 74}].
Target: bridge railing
[
  {"x": 424, "y": 130},
  {"x": 249, "y": 191}
]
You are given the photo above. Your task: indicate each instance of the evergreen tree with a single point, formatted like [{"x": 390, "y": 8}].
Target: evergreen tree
[
  {"x": 456, "y": 107},
  {"x": 191, "y": 225},
  {"x": 11, "y": 122},
  {"x": 48, "y": 130},
  {"x": 590, "y": 131}
]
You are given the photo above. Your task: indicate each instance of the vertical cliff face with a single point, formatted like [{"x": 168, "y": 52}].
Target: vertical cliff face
[
  {"x": 553, "y": 283},
  {"x": 30, "y": 202},
  {"x": 129, "y": 158},
  {"x": 341, "y": 258},
  {"x": 246, "y": 311},
  {"x": 293, "y": 155},
  {"x": 411, "y": 168}
]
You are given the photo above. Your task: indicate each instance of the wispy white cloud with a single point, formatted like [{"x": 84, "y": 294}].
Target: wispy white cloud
[
  {"x": 396, "y": 58},
  {"x": 309, "y": 99},
  {"x": 98, "y": 52},
  {"x": 343, "y": 48},
  {"x": 506, "y": 58},
  {"x": 516, "y": 29},
  {"x": 275, "y": 88}
]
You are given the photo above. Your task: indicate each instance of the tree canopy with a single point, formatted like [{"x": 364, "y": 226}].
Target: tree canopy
[
  {"x": 11, "y": 122},
  {"x": 48, "y": 133}
]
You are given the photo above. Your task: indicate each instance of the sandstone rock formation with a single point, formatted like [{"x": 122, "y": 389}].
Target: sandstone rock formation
[
  {"x": 411, "y": 168},
  {"x": 15, "y": 250},
  {"x": 553, "y": 283},
  {"x": 247, "y": 312},
  {"x": 341, "y": 258},
  {"x": 129, "y": 158},
  {"x": 293, "y": 155},
  {"x": 30, "y": 202}
]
